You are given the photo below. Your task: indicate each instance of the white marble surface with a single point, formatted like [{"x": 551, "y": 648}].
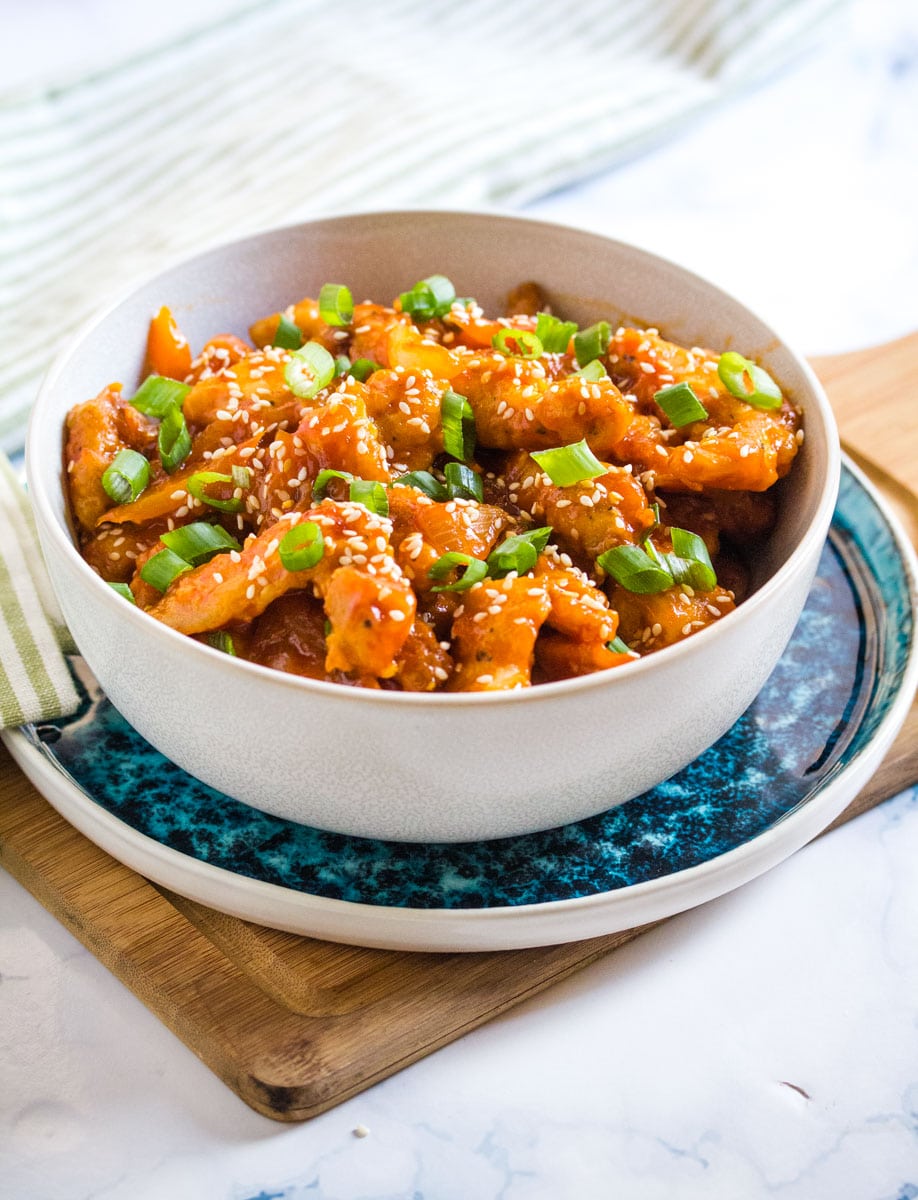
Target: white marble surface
[{"x": 764, "y": 1045}]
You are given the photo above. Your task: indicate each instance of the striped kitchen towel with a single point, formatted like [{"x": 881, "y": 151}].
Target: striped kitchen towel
[
  {"x": 293, "y": 108},
  {"x": 35, "y": 684}
]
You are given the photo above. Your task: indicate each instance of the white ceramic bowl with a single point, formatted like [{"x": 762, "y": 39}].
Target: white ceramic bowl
[{"x": 402, "y": 765}]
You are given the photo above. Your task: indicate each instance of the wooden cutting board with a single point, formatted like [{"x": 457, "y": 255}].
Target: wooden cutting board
[{"x": 295, "y": 1026}]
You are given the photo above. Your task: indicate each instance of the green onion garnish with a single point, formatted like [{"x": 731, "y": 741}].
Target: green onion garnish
[
  {"x": 458, "y": 422},
  {"x": 462, "y": 483},
  {"x": 126, "y": 476},
  {"x": 336, "y": 304},
  {"x": 123, "y": 590},
  {"x": 429, "y": 298},
  {"x": 592, "y": 343},
  {"x": 363, "y": 368},
  {"x": 309, "y": 370},
  {"x": 554, "y": 335},
  {"x": 302, "y": 546},
  {"x": 160, "y": 570},
  {"x": 593, "y": 371},
  {"x": 371, "y": 495},
  {"x": 680, "y": 404},
  {"x": 323, "y": 479},
  {"x": 424, "y": 482},
  {"x": 635, "y": 570},
  {"x": 288, "y": 336},
  {"x": 522, "y": 343},
  {"x": 566, "y": 465},
  {"x": 690, "y": 562},
  {"x": 221, "y": 640},
  {"x": 173, "y": 440},
  {"x": 198, "y": 484},
  {"x": 342, "y": 365},
  {"x": 518, "y": 553},
  {"x": 475, "y": 571},
  {"x": 242, "y": 476},
  {"x": 617, "y": 646},
  {"x": 747, "y": 381},
  {"x": 157, "y": 395},
  {"x": 199, "y": 541}
]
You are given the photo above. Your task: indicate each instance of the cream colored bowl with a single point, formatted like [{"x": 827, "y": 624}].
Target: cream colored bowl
[{"x": 401, "y": 765}]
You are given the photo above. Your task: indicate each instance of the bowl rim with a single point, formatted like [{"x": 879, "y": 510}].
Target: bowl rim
[{"x": 38, "y": 435}]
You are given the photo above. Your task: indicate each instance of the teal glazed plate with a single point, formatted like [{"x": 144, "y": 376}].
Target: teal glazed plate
[{"x": 790, "y": 765}]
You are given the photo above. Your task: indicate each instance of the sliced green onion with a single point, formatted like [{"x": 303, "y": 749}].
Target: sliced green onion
[
  {"x": 690, "y": 562},
  {"x": 289, "y": 336},
  {"x": 593, "y": 371},
  {"x": 635, "y": 570},
  {"x": 198, "y": 484},
  {"x": 429, "y": 298},
  {"x": 475, "y": 571},
  {"x": 555, "y": 335},
  {"x": 302, "y": 546},
  {"x": 371, "y": 495},
  {"x": 458, "y": 422},
  {"x": 123, "y": 590},
  {"x": 518, "y": 553},
  {"x": 199, "y": 541},
  {"x": 221, "y": 640},
  {"x": 424, "y": 482},
  {"x": 308, "y": 370},
  {"x": 336, "y": 304},
  {"x": 747, "y": 381},
  {"x": 680, "y": 404},
  {"x": 566, "y": 465},
  {"x": 592, "y": 343},
  {"x": 617, "y": 646},
  {"x": 522, "y": 343},
  {"x": 342, "y": 365},
  {"x": 462, "y": 483},
  {"x": 242, "y": 476},
  {"x": 160, "y": 570},
  {"x": 158, "y": 394},
  {"x": 126, "y": 476},
  {"x": 363, "y": 368},
  {"x": 173, "y": 441},
  {"x": 323, "y": 479}
]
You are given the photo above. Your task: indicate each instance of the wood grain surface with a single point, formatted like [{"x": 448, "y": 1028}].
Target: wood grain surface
[{"x": 295, "y": 1025}]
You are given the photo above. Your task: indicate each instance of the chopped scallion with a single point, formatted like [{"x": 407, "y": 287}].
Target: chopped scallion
[
  {"x": 592, "y": 342},
  {"x": 371, "y": 495},
  {"x": 363, "y": 368},
  {"x": 748, "y": 381},
  {"x": 462, "y": 483},
  {"x": 158, "y": 394},
  {"x": 123, "y": 590},
  {"x": 690, "y": 562},
  {"x": 302, "y": 546},
  {"x": 199, "y": 483},
  {"x": 522, "y": 343},
  {"x": 221, "y": 640},
  {"x": 635, "y": 570},
  {"x": 554, "y": 334},
  {"x": 162, "y": 568},
  {"x": 242, "y": 476},
  {"x": 199, "y": 541},
  {"x": 475, "y": 571},
  {"x": 336, "y": 304},
  {"x": 458, "y": 423},
  {"x": 424, "y": 482},
  {"x": 323, "y": 479},
  {"x": 518, "y": 553},
  {"x": 342, "y": 365},
  {"x": 617, "y": 646},
  {"x": 173, "y": 441},
  {"x": 308, "y": 370},
  {"x": 429, "y": 298},
  {"x": 567, "y": 465},
  {"x": 126, "y": 476},
  {"x": 593, "y": 371},
  {"x": 680, "y": 404},
  {"x": 288, "y": 336}
]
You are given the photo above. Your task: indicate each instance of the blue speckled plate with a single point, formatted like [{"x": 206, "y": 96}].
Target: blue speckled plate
[{"x": 780, "y": 775}]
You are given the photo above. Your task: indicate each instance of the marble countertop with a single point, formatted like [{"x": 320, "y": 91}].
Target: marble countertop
[{"x": 765, "y": 1044}]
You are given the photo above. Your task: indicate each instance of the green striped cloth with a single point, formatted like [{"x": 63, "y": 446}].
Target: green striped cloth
[
  {"x": 34, "y": 681},
  {"x": 295, "y": 108}
]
